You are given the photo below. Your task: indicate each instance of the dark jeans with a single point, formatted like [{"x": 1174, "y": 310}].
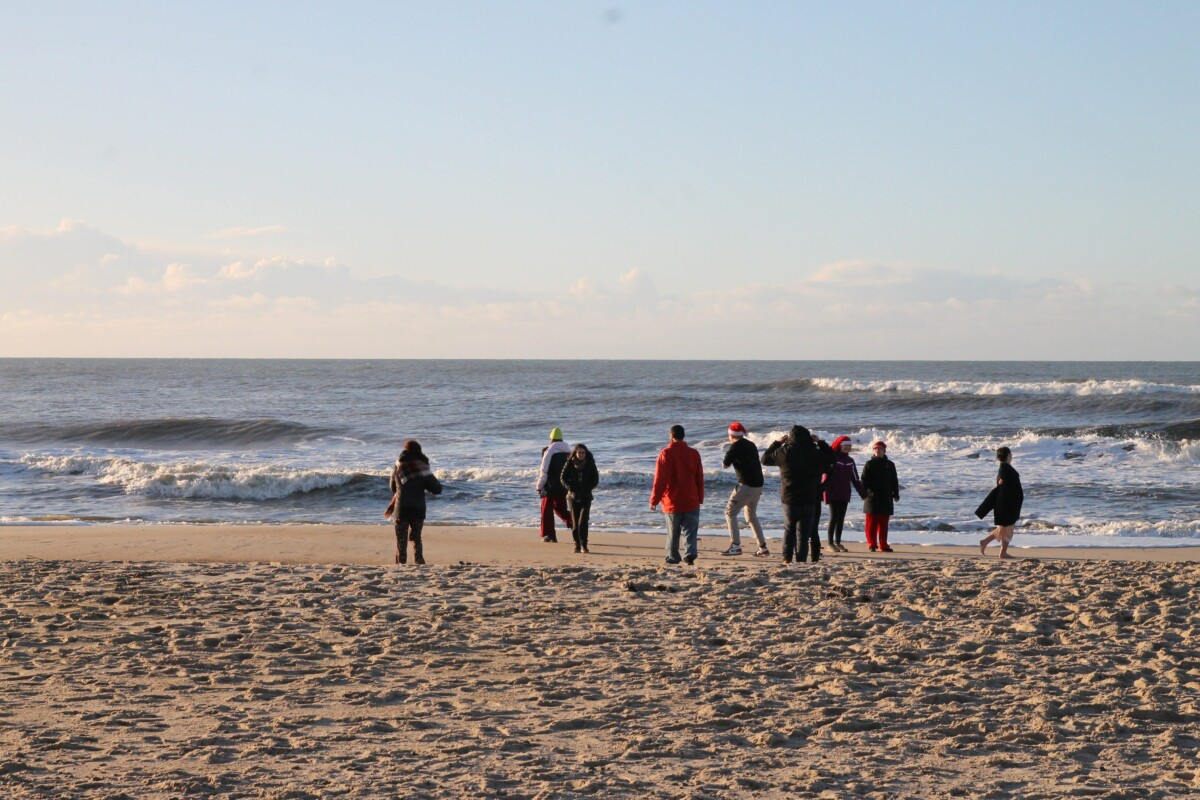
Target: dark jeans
[
  {"x": 581, "y": 511},
  {"x": 837, "y": 518},
  {"x": 686, "y": 524},
  {"x": 800, "y": 532},
  {"x": 409, "y": 523}
]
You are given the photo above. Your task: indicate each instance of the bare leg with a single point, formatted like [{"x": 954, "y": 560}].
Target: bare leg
[
  {"x": 1004, "y": 538},
  {"x": 983, "y": 543}
]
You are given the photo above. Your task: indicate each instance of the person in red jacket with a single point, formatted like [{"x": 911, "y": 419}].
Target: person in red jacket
[{"x": 679, "y": 486}]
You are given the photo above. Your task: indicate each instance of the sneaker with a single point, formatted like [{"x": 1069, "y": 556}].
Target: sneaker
[
  {"x": 672, "y": 561},
  {"x": 734, "y": 550},
  {"x": 586, "y": 550},
  {"x": 578, "y": 549},
  {"x": 689, "y": 560},
  {"x": 873, "y": 549},
  {"x": 550, "y": 539},
  {"x": 886, "y": 549},
  {"x": 786, "y": 560},
  {"x": 762, "y": 551},
  {"x": 842, "y": 548}
]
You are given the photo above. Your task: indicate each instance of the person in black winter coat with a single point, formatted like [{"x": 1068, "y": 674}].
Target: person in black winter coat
[
  {"x": 882, "y": 486},
  {"x": 1004, "y": 501},
  {"x": 802, "y": 463},
  {"x": 580, "y": 478},
  {"x": 411, "y": 479}
]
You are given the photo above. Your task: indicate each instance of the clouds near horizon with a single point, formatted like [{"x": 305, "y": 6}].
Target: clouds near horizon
[{"x": 78, "y": 291}]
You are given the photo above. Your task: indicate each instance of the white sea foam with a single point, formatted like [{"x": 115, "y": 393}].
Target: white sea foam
[
  {"x": 995, "y": 388},
  {"x": 192, "y": 479}
]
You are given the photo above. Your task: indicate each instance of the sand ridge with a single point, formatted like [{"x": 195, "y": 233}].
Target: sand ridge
[{"x": 864, "y": 678}]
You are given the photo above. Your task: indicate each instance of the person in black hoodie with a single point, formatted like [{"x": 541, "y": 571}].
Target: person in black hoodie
[
  {"x": 411, "y": 478},
  {"x": 580, "y": 478},
  {"x": 1004, "y": 501},
  {"x": 801, "y": 463},
  {"x": 882, "y": 486}
]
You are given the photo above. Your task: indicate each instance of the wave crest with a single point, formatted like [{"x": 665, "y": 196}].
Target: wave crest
[
  {"x": 198, "y": 480},
  {"x": 1060, "y": 388}
]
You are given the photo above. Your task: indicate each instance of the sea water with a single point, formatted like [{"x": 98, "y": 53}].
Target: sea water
[{"x": 1107, "y": 452}]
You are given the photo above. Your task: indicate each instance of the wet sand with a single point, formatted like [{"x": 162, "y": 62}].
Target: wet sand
[
  {"x": 162, "y": 662},
  {"x": 444, "y": 544}
]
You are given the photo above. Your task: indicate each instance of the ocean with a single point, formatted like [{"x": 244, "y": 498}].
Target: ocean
[{"x": 1107, "y": 452}]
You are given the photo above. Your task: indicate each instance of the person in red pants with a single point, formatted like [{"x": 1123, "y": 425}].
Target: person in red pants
[
  {"x": 549, "y": 485},
  {"x": 883, "y": 491}
]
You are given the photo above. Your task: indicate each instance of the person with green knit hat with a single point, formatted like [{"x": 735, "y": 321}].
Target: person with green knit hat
[{"x": 550, "y": 487}]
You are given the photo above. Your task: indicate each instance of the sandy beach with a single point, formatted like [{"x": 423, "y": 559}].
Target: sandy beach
[
  {"x": 296, "y": 662},
  {"x": 448, "y": 544}
]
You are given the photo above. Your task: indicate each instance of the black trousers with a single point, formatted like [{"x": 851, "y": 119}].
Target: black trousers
[
  {"x": 800, "y": 532},
  {"x": 409, "y": 524},
  {"x": 837, "y": 518},
  {"x": 581, "y": 512}
]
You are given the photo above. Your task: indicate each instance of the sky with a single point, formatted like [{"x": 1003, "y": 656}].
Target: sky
[{"x": 777, "y": 180}]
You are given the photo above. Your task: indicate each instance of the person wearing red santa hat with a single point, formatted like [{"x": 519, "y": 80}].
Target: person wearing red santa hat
[
  {"x": 841, "y": 478},
  {"x": 742, "y": 455},
  {"x": 883, "y": 491}
]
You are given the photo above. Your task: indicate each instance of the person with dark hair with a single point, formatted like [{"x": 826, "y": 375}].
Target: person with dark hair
[
  {"x": 580, "y": 477},
  {"x": 843, "y": 475},
  {"x": 1004, "y": 501},
  {"x": 883, "y": 491},
  {"x": 549, "y": 485},
  {"x": 411, "y": 478},
  {"x": 801, "y": 463},
  {"x": 742, "y": 455},
  {"x": 679, "y": 486}
]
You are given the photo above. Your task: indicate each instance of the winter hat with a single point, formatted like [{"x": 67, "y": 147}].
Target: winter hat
[
  {"x": 556, "y": 434},
  {"x": 839, "y": 441},
  {"x": 879, "y": 443},
  {"x": 737, "y": 429}
]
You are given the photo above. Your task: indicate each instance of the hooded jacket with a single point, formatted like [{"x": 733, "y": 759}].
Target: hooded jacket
[
  {"x": 882, "y": 485},
  {"x": 842, "y": 475},
  {"x": 580, "y": 479},
  {"x": 802, "y": 463},
  {"x": 411, "y": 478},
  {"x": 554, "y": 457}
]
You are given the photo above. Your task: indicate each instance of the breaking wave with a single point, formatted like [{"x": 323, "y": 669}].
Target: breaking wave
[
  {"x": 1060, "y": 388},
  {"x": 199, "y": 480}
]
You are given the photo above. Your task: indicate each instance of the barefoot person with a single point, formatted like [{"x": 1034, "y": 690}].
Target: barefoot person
[
  {"x": 1004, "y": 501},
  {"x": 580, "y": 477},
  {"x": 742, "y": 455},
  {"x": 883, "y": 491},
  {"x": 679, "y": 486},
  {"x": 411, "y": 479},
  {"x": 843, "y": 476},
  {"x": 549, "y": 485}
]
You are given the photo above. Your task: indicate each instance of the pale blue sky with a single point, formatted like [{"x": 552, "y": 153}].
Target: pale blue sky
[{"x": 671, "y": 179}]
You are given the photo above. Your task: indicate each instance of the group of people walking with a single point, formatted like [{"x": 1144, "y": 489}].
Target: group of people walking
[{"x": 810, "y": 471}]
